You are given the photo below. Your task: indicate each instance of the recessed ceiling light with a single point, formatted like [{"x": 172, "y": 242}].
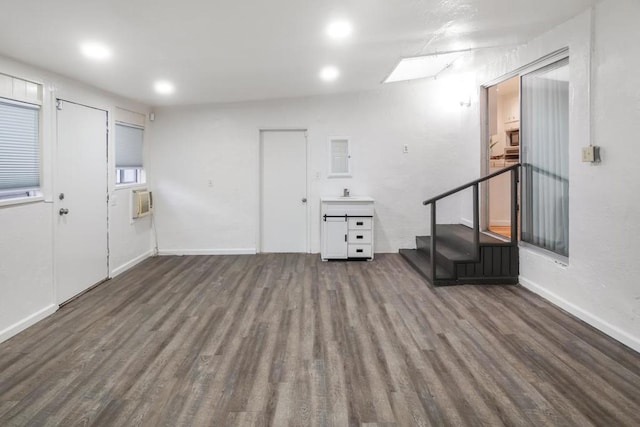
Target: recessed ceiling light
[
  {"x": 339, "y": 29},
  {"x": 329, "y": 73},
  {"x": 95, "y": 50},
  {"x": 164, "y": 87}
]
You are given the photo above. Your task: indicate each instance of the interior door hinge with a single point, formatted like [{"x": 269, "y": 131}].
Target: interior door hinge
[{"x": 59, "y": 104}]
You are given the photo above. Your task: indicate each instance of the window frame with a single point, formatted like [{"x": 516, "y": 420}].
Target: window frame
[
  {"x": 140, "y": 172},
  {"x": 525, "y": 240},
  {"x": 22, "y": 196}
]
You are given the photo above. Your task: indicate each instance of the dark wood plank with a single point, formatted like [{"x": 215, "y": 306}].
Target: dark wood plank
[{"x": 284, "y": 339}]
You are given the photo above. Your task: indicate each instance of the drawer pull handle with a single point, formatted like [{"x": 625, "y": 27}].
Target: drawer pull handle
[
  {"x": 359, "y": 223},
  {"x": 359, "y": 250},
  {"x": 359, "y": 237}
]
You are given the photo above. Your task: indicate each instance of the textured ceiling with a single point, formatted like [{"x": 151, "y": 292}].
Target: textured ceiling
[{"x": 234, "y": 50}]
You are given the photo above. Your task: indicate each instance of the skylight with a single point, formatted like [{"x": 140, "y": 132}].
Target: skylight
[{"x": 419, "y": 67}]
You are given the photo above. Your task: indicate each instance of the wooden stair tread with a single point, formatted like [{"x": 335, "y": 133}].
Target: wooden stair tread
[
  {"x": 452, "y": 232},
  {"x": 422, "y": 263},
  {"x": 458, "y": 261},
  {"x": 449, "y": 251}
]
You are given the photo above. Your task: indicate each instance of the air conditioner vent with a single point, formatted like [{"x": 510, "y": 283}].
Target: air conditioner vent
[{"x": 142, "y": 203}]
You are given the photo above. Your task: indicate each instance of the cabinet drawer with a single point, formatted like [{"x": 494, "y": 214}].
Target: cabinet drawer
[
  {"x": 360, "y": 223},
  {"x": 360, "y": 236},
  {"x": 359, "y": 251}
]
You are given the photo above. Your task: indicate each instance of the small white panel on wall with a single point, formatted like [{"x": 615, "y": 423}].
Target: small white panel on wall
[{"x": 339, "y": 157}]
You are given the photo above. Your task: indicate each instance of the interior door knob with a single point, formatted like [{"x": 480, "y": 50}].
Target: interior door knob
[
  {"x": 63, "y": 211},
  {"x": 304, "y": 200}
]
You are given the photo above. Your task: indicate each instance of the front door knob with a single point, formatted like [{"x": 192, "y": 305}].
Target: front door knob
[
  {"x": 63, "y": 211},
  {"x": 304, "y": 200}
]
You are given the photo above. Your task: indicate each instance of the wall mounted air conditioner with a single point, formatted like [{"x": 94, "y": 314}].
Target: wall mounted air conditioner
[{"x": 142, "y": 203}]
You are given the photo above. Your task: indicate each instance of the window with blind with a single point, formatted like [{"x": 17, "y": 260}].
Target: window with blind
[
  {"x": 129, "y": 165},
  {"x": 545, "y": 160},
  {"x": 19, "y": 149}
]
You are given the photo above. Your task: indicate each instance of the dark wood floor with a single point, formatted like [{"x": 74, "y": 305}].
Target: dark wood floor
[{"x": 288, "y": 340}]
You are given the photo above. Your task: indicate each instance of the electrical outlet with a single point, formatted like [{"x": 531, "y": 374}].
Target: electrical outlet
[
  {"x": 591, "y": 154},
  {"x": 317, "y": 175},
  {"x": 405, "y": 148},
  {"x": 588, "y": 154}
]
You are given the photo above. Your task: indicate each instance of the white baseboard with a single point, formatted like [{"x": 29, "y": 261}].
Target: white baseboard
[
  {"x": 467, "y": 222},
  {"x": 598, "y": 323},
  {"x": 20, "y": 326},
  {"x": 127, "y": 265},
  {"x": 246, "y": 251}
]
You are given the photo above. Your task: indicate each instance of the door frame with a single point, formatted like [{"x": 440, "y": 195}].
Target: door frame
[
  {"x": 56, "y": 192},
  {"x": 260, "y": 196},
  {"x": 541, "y": 62}
]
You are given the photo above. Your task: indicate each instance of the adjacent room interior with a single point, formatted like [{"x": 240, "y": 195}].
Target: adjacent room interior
[
  {"x": 332, "y": 213},
  {"x": 503, "y": 115}
]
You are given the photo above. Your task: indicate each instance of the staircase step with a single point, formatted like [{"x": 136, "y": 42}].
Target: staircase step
[
  {"x": 422, "y": 263},
  {"x": 451, "y": 250},
  {"x": 457, "y": 261},
  {"x": 462, "y": 236}
]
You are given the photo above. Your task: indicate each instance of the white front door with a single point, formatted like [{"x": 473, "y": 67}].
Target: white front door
[
  {"x": 80, "y": 200},
  {"x": 283, "y": 191}
]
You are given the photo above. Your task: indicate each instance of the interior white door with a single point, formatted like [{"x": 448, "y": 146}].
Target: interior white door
[
  {"x": 81, "y": 254},
  {"x": 283, "y": 191}
]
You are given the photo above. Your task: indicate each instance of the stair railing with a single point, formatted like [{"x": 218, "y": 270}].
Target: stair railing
[{"x": 476, "y": 211}]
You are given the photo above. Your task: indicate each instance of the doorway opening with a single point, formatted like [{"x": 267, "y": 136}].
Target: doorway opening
[
  {"x": 526, "y": 121},
  {"x": 503, "y": 150}
]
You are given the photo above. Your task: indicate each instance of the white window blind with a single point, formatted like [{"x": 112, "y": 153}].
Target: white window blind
[
  {"x": 19, "y": 147},
  {"x": 128, "y": 147}
]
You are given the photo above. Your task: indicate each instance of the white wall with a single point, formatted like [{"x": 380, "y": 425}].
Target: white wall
[
  {"x": 193, "y": 145},
  {"x": 26, "y": 246},
  {"x": 599, "y": 284}
]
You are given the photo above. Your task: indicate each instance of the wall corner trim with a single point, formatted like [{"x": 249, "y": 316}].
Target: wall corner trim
[
  {"x": 467, "y": 222},
  {"x": 235, "y": 251},
  {"x": 598, "y": 323},
  {"x": 23, "y": 324},
  {"x": 130, "y": 264}
]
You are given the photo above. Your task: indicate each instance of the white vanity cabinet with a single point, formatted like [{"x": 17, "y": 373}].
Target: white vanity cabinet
[{"x": 347, "y": 227}]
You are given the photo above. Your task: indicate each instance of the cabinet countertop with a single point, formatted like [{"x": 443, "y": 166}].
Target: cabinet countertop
[{"x": 349, "y": 199}]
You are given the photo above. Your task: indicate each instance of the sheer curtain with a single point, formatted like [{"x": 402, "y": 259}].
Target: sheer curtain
[{"x": 545, "y": 157}]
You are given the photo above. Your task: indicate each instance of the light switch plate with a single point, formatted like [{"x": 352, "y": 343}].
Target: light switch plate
[{"x": 589, "y": 154}]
